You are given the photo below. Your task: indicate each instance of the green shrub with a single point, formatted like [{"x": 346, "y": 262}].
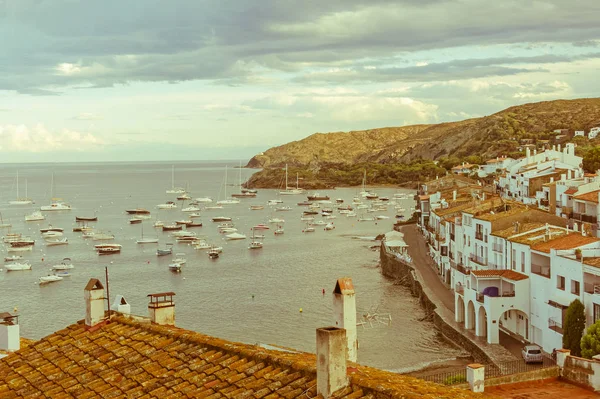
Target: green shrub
[
  {"x": 590, "y": 343},
  {"x": 456, "y": 379},
  {"x": 573, "y": 327}
]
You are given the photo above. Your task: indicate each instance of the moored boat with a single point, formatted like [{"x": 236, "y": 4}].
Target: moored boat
[
  {"x": 18, "y": 266},
  {"x": 49, "y": 279},
  {"x": 57, "y": 241},
  {"x": 138, "y": 211},
  {"x": 86, "y": 218},
  {"x": 221, "y": 219},
  {"x": 317, "y": 197},
  {"x": 172, "y": 227}
]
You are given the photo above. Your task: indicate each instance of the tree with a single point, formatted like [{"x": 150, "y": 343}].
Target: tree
[
  {"x": 591, "y": 160},
  {"x": 590, "y": 343},
  {"x": 573, "y": 327}
]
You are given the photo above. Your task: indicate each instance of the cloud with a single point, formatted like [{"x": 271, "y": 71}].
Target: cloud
[
  {"x": 87, "y": 116},
  {"x": 39, "y": 139}
]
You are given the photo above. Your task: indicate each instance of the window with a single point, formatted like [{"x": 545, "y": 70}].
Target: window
[
  {"x": 574, "y": 287},
  {"x": 560, "y": 282},
  {"x": 523, "y": 262},
  {"x": 596, "y": 312}
]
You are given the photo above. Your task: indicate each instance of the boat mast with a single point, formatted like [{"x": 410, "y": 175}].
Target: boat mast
[
  {"x": 286, "y": 179},
  {"x": 26, "y": 194},
  {"x": 240, "y": 176},
  {"x": 17, "y": 184},
  {"x": 172, "y": 177},
  {"x": 225, "y": 181},
  {"x": 297, "y": 188}
]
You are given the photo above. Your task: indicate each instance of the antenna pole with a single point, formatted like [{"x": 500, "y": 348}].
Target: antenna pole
[{"x": 107, "y": 291}]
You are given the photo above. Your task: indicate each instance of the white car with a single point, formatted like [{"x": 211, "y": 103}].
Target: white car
[{"x": 532, "y": 354}]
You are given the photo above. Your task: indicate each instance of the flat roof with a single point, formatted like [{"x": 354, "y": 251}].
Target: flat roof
[{"x": 507, "y": 274}]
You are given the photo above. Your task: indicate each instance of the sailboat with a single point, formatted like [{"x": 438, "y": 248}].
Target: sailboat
[
  {"x": 367, "y": 194},
  {"x": 255, "y": 244},
  {"x": 57, "y": 204},
  {"x": 2, "y": 224},
  {"x": 288, "y": 190},
  {"x": 227, "y": 201},
  {"x": 243, "y": 193},
  {"x": 143, "y": 240},
  {"x": 21, "y": 201},
  {"x": 174, "y": 190}
]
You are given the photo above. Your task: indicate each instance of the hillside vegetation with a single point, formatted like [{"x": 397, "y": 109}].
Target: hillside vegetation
[{"x": 486, "y": 137}]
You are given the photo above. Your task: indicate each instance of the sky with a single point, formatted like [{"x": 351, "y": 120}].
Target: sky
[{"x": 115, "y": 80}]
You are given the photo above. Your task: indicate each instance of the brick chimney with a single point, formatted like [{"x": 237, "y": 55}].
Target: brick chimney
[
  {"x": 344, "y": 310},
  {"x": 162, "y": 308},
  {"x": 10, "y": 337},
  {"x": 331, "y": 360},
  {"x": 93, "y": 293}
]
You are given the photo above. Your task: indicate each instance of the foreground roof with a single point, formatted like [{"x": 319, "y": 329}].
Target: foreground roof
[
  {"x": 570, "y": 241},
  {"x": 131, "y": 358},
  {"x": 592, "y": 196}
]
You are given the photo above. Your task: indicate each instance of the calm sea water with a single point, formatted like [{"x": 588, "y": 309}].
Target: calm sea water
[{"x": 248, "y": 296}]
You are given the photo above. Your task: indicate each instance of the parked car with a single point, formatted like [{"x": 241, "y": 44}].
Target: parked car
[{"x": 532, "y": 354}]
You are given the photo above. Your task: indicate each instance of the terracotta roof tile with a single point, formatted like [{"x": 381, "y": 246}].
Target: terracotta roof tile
[
  {"x": 592, "y": 196},
  {"x": 508, "y": 274},
  {"x": 571, "y": 190},
  {"x": 134, "y": 359},
  {"x": 569, "y": 241}
]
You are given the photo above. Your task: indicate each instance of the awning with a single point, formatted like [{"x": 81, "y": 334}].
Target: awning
[{"x": 557, "y": 305}]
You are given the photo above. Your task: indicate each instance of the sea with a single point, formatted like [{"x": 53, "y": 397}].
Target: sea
[{"x": 271, "y": 296}]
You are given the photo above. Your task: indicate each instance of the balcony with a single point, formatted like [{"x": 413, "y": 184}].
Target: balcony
[
  {"x": 544, "y": 202},
  {"x": 460, "y": 267},
  {"x": 591, "y": 288},
  {"x": 540, "y": 270},
  {"x": 480, "y": 260},
  {"x": 555, "y": 325},
  {"x": 498, "y": 248},
  {"x": 589, "y": 219}
]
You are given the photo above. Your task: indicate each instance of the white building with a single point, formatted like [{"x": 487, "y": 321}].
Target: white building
[
  {"x": 496, "y": 165},
  {"x": 594, "y": 132},
  {"x": 580, "y": 133}
]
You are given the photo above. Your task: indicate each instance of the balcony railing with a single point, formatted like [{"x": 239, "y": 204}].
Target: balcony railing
[
  {"x": 478, "y": 259},
  {"x": 459, "y": 288},
  {"x": 459, "y": 267},
  {"x": 540, "y": 270},
  {"x": 480, "y": 297},
  {"x": 591, "y": 288},
  {"x": 555, "y": 325},
  {"x": 498, "y": 248}
]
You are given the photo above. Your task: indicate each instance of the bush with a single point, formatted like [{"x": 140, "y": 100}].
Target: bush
[
  {"x": 573, "y": 327},
  {"x": 590, "y": 343}
]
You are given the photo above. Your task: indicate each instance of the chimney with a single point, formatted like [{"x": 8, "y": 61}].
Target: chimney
[
  {"x": 331, "y": 360},
  {"x": 162, "y": 308},
  {"x": 121, "y": 305},
  {"x": 534, "y": 151},
  {"x": 559, "y": 148},
  {"x": 344, "y": 310},
  {"x": 528, "y": 154},
  {"x": 10, "y": 339},
  {"x": 563, "y": 177},
  {"x": 454, "y": 195},
  {"x": 93, "y": 293}
]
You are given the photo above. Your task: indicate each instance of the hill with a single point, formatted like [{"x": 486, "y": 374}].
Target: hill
[{"x": 498, "y": 134}]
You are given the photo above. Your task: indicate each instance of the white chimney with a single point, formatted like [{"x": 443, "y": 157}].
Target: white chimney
[
  {"x": 344, "y": 310},
  {"x": 559, "y": 148},
  {"x": 563, "y": 177},
  {"x": 331, "y": 361},
  {"x": 528, "y": 154},
  {"x": 10, "y": 337},
  {"x": 93, "y": 293},
  {"x": 121, "y": 305},
  {"x": 454, "y": 195},
  {"x": 162, "y": 308}
]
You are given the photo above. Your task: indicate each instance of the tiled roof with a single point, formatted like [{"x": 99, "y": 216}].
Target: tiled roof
[
  {"x": 465, "y": 166},
  {"x": 127, "y": 358},
  {"x": 569, "y": 241},
  {"x": 592, "y": 261},
  {"x": 505, "y": 233},
  {"x": 571, "y": 190},
  {"x": 592, "y": 196},
  {"x": 515, "y": 210},
  {"x": 508, "y": 274}
]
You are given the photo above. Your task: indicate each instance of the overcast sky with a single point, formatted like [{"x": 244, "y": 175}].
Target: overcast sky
[{"x": 212, "y": 79}]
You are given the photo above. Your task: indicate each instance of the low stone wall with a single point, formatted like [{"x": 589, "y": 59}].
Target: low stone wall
[
  {"x": 541, "y": 374},
  {"x": 395, "y": 268},
  {"x": 583, "y": 372}
]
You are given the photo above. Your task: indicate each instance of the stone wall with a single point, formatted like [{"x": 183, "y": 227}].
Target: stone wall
[
  {"x": 541, "y": 374},
  {"x": 395, "y": 268},
  {"x": 583, "y": 372}
]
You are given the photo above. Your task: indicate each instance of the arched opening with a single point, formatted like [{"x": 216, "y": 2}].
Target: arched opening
[
  {"x": 515, "y": 323},
  {"x": 470, "y": 320},
  {"x": 460, "y": 310},
  {"x": 481, "y": 330}
]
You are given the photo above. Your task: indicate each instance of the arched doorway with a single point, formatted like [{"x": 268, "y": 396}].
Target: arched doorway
[
  {"x": 460, "y": 310},
  {"x": 481, "y": 330},
  {"x": 515, "y": 322},
  {"x": 470, "y": 319}
]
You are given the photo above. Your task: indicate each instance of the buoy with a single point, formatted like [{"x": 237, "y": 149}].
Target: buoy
[
  {"x": 300, "y": 310},
  {"x": 42, "y": 259},
  {"x": 252, "y": 296},
  {"x": 323, "y": 291},
  {"x": 148, "y": 262}
]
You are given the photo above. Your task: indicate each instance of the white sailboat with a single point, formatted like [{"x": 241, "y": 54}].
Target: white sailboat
[
  {"x": 174, "y": 190},
  {"x": 146, "y": 240},
  {"x": 227, "y": 201},
  {"x": 289, "y": 190},
  {"x": 57, "y": 204},
  {"x": 34, "y": 216},
  {"x": 24, "y": 200},
  {"x": 255, "y": 244}
]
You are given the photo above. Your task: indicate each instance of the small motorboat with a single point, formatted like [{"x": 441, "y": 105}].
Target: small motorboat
[
  {"x": 187, "y": 239},
  {"x": 57, "y": 241},
  {"x": 339, "y": 201},
  {"x": 225, "y": 225},
  {"x": 86, "y": 218},
  {"x": 165, "y": 251},
  {"x": 66, "y": 264},
  {"x": 167, "y": 205},
  {"x": 255, "y": 245},
  {"x": 384, "y": 199},
  {"x": 194, "y": 215},
  {"x": 108, "y": 249},
  {"x": 13, "y": 258},
  {"x": 175, "y": 267},
  {"x": 203, "y": 199},
  {"x": 138, "y": 211},
  {"x": 318, "y": 223},
  {"x": 256, "y": 207},
  {"x": 329, "y": 226},
  {"x": 283, "y": 208},
  {"x": 221, "y": 219},
  {"x": 172, "y": 227},
  {"x": 20, "y": 249},
  {"x": 213, "y": 207},
  {"x": 235, "y": 236},
  {"x": 227, "y": 230},
  {"x": 145, "y": 240},
  {"x": 308, "y": 229},
  {"x": 63, "y": 274},
  {"x": 310, "y": 213},
  {"x": 190, "y": 209},
  {"x": 18, "y": 266},
  {"x": 49, "y": 279},
  {"x": 317, "y": 197},
  {"x": 274, "y": 202},
  {"x": 183, "y": 222},
  {"x": 261, "y": 227},
  {"x": 184, "y": 197},
  {"x": 158, "y": 223},
  {"x": 35, "y": 216},
  {"x": 180, "y": 258},
  {"x": 202, "y": 244},
  {"x": 382, "y": 217},
  {"x": 99, "y": 236},
  {"x": 50, "y": 228},
  {"x": 194, "y": 224},
  {"x": 279, "y": 230},
  {"x": 213, "y": 254},
  {"x": 276, "y": 220},
  {"x": 135, "y": 221},
  {"x": 52, "y": 234},
  {"x": 303, "y": 203}
]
